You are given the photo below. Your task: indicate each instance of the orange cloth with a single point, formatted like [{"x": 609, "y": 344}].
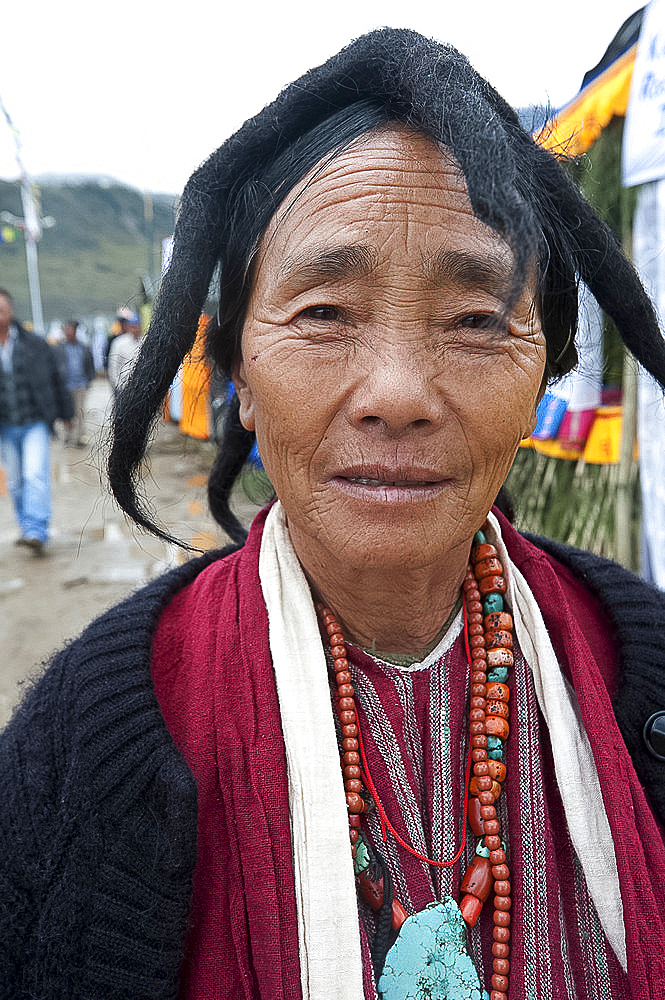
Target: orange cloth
[
  {"x": 575, "y": 128},
  {"x": 195, "y": 420}
]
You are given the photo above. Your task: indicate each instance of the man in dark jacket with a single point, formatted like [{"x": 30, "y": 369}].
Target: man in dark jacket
[{"x": 32, "y": 397}]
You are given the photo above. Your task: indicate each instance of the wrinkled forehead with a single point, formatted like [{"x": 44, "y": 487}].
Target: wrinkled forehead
[{"x": 393, "y": 187}]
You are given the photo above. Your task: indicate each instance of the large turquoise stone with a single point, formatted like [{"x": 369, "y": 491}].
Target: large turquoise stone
[
  {"x": 479, "y": 538},
  {"x": 429, "y": 960}
]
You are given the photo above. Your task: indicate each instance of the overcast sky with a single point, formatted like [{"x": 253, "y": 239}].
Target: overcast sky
[{"x": 143, "y": 91}]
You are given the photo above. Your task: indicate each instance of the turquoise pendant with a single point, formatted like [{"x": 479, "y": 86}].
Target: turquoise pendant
[{"x": 429, "y": 960}]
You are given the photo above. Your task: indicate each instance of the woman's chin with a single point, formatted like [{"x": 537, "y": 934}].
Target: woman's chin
[{"x": 391, "y": 542}]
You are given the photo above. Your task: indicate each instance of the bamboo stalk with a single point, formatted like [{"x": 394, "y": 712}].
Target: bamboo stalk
[{"x": 625, "y": 550}]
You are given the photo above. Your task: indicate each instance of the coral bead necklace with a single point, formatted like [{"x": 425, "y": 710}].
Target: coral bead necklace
[{"x": 489, "y": 642}]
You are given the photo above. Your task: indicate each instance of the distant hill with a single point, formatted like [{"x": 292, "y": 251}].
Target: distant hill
[{"x": 98, "y": 253}]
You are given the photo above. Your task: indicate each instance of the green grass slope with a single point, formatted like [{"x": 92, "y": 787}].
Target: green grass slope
[{"x": 95, "y": 257}]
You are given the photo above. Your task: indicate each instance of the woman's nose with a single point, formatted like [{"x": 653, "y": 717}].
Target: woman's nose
[{"x": 397, "y": 393}]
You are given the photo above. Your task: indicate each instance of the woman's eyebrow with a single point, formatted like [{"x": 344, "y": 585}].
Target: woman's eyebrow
[
  {"x": 490, "y": 270},
  {"x": 329, "y": 263}
]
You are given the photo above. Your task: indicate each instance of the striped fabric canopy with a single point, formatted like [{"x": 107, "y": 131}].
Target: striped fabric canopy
[{"x": 604, "y": 93}]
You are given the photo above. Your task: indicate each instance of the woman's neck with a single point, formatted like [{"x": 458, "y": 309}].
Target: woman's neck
[{"x": 398, "y": 610}]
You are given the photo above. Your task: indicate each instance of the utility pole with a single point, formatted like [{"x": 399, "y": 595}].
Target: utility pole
[
  {"x": 627, "y": 545},
  {"x": 31, "y": 224}
]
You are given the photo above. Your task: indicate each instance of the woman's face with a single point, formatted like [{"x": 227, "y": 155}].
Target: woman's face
[{"x": 387, "y": 395}]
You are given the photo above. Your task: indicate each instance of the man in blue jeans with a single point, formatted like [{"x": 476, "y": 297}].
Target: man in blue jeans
[{"x": 32, "y": 397}]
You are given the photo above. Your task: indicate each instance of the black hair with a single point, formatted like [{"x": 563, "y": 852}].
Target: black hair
[
  {"x": 260, "y": 199},
  {"x": 388, "y": 76}
]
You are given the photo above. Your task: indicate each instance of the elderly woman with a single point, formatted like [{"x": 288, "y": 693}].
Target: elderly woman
[{"x": 387, "y": 746}]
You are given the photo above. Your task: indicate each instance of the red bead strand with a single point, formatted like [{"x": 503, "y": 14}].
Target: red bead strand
[{"x": 351, "y": 761}]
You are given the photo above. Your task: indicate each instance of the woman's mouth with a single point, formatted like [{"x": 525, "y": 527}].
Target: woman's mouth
[
  {"x": 367, "y": 481},
  {"x": 389, "y": 486}
]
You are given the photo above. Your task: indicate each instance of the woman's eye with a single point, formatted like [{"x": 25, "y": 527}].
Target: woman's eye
[
  {"x": 324, "y": 314},
  {"x": 481, "y": 321}
]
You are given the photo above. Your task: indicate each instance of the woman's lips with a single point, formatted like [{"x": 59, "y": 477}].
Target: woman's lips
[
  {"x": 367, "y": 481},
  {"x": 389, "y": 486}
]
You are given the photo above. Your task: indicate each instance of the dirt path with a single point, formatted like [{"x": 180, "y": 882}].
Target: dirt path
[{"x": 94, "y": 558}]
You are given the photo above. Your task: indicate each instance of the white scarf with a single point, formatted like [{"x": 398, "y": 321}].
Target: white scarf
[{"x": 324, "y": 880}]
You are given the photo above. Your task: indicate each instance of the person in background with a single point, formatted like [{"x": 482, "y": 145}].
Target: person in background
[
  {"x": 124, "y": 350},
  {"x": 118, "y": 326},
  {"x": 33, "y": 395},
  {"x": 78, "y": 368}
]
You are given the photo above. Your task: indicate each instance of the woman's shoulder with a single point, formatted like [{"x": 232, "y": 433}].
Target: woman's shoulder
[
  {"x": 609, "y": 600},
  {"x": 625, "y": 593},
  {"x": 132, "y": 621},
  {"x": 112, "y": 654},
  {"x": 91, "y": 720},
  {"x": 631, "y": 612},
  {"x": 610, "y": 583}
]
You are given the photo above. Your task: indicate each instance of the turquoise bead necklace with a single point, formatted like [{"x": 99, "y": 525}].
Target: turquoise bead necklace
[{"x": 429, "y": 958}]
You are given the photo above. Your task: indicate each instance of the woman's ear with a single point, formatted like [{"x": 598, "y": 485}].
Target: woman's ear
[{"x": 245, "y": 396}]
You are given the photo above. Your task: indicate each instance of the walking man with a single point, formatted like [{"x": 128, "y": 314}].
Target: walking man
[
  {"x": 32, "y": 397},
  {"x": 78, "y": 368}
]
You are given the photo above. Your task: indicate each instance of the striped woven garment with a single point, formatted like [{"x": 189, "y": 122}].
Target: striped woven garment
[{"x": 415, "y": 731}]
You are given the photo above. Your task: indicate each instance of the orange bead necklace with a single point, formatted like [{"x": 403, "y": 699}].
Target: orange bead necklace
[{"x": 488, "y": 641}]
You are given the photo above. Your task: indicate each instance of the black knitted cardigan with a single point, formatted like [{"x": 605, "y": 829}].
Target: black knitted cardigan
[{"x": 98, "y": 811}]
